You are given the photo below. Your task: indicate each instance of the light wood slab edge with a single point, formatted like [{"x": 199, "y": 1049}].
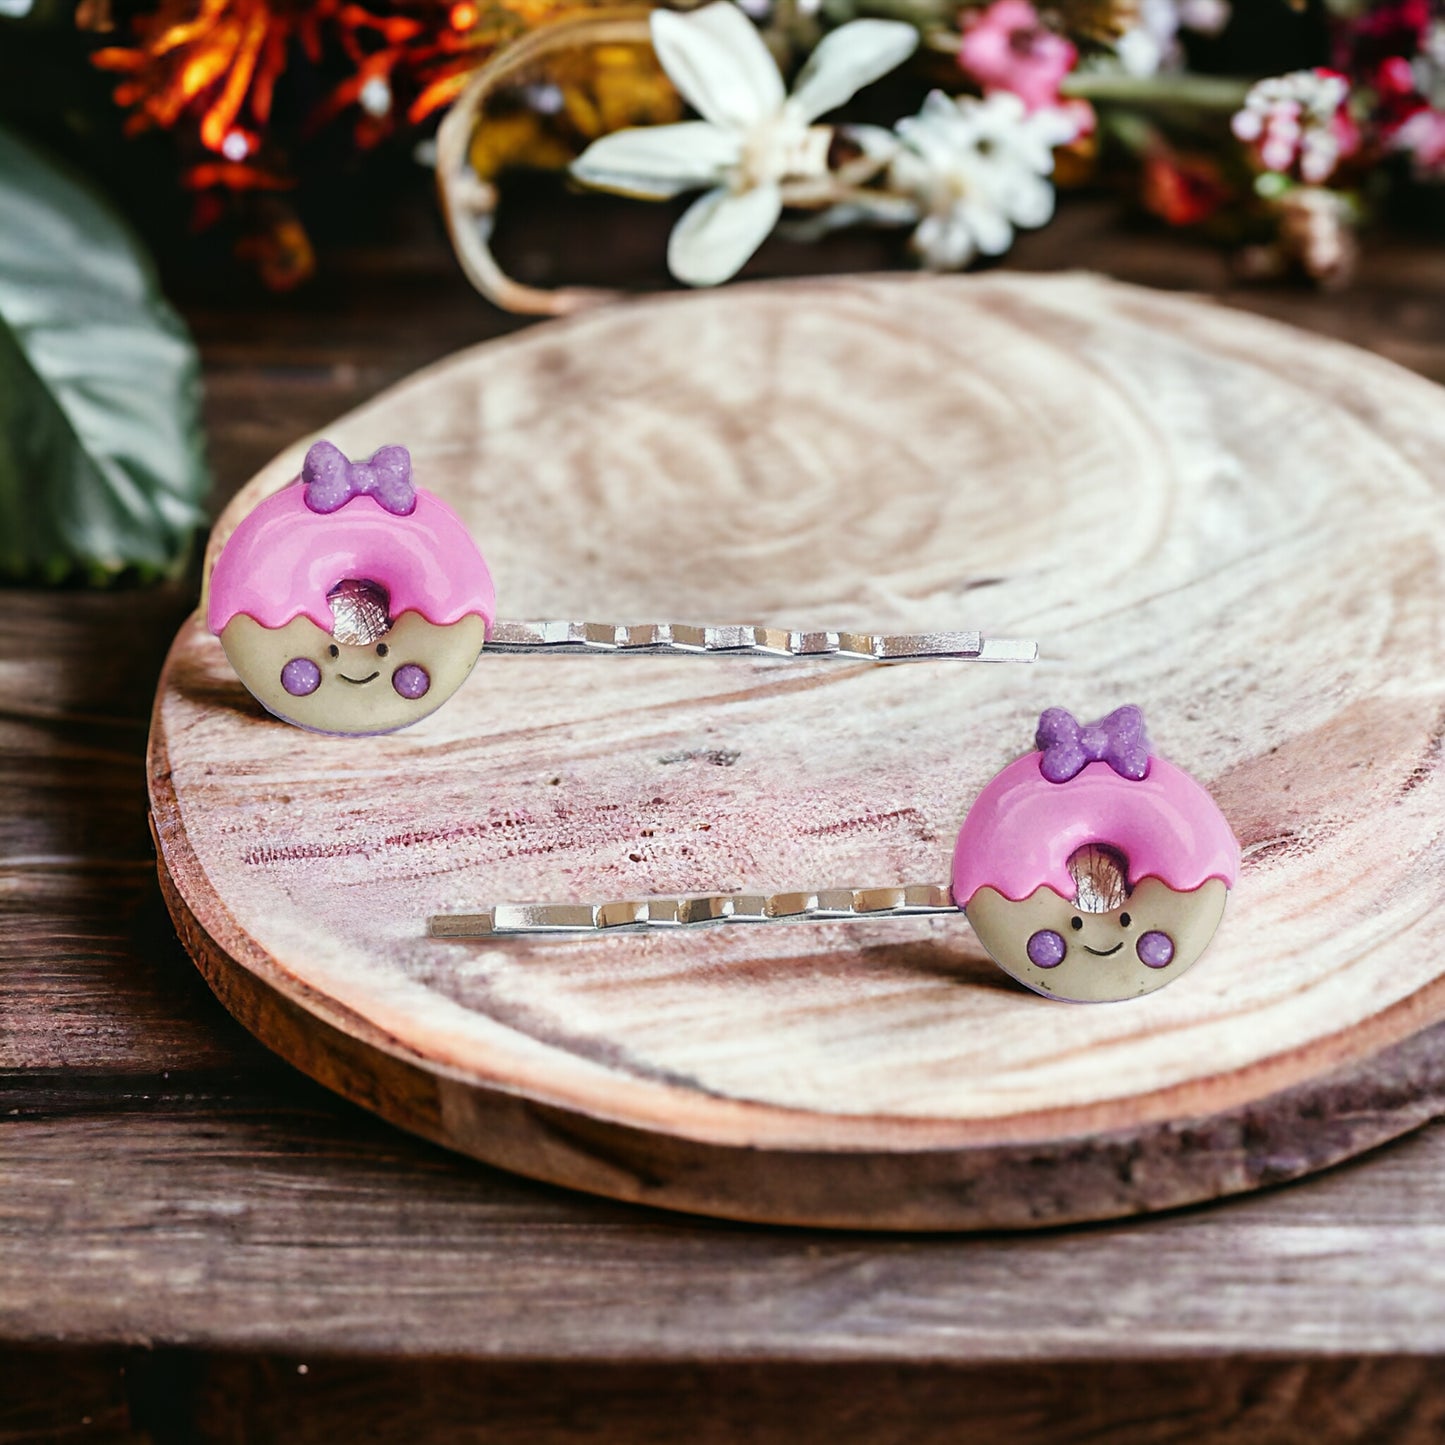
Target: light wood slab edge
[
  {"x": 727, "y": 1155},
  {"x": 1281, "y": 1137}
]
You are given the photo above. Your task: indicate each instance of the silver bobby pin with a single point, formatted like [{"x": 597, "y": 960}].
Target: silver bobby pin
[
  {"x": 507, "y": 920},
  {"x": 360, "y": 612},
  {"x": 680, "y": 639}
]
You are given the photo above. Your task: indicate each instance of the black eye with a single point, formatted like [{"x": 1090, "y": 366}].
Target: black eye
[
  {"x": 1125, "y": 920},
  {"x": 382, "y": 649},
  {"x": 1076, "y": 924},
  {"x": 334, "y": 650}
]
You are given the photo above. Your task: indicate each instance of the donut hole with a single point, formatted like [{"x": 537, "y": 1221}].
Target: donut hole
[
  {"x": 360, "y": 611},
  {"x": 1101, "y": 878}
]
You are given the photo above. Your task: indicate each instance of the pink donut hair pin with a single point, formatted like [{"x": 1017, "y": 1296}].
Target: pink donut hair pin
[
  {"x": 1091, "y": 869},
  {"x": 353, "y": 601}
]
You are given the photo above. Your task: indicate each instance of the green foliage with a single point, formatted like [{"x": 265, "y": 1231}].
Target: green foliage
[{"x": 102, "y": 466}]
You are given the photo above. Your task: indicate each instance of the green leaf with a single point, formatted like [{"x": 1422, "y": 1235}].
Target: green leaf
[{"x": 102, "y": 467}]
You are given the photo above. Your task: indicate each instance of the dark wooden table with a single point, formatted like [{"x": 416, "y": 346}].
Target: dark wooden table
[{"x": 198, "y": 1244}]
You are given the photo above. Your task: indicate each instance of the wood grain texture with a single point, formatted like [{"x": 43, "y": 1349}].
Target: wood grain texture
[
  {"x": 94, "y": 981},
  {"x": 1228, "y": 522},
  {"x": 201, "y": 1213},
  {"x": 184, "y": 1397}
]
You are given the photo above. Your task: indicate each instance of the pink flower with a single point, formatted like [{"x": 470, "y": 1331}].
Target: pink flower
[
  {"x": 1393, "y": 56},
  {"x": 1384, "y": 31},
  {"x": 1395, "y": 80},
  {"x": 1422, "y": 137},
  {"x": 1007, "y": 47}
]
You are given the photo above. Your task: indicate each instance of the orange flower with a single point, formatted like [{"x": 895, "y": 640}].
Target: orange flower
[
  {"x": 216, "y": 63},
  {"x": 1182, "y": 189}
]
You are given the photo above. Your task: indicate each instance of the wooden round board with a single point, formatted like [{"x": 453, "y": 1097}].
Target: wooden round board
[{"x": 1231, "y": 523}]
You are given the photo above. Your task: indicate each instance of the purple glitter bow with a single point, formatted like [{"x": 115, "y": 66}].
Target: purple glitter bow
[
  {"x": 1066, "y": 746},
  {"x": 332, "y": 481}
]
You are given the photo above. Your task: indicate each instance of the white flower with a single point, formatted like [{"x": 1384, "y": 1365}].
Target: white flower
[
  {"x": 1152, "y": 44},
  {"x": 375, "y": 97},
  {"x": 976, "y": 169},
  {"x": 1296, "y": 118},
  {"x": 753, "y": 139}
]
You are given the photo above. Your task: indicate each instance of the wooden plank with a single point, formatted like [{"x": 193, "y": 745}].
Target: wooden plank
[
  {"x": 1107, "y": 460},
  {"x": 94, "y": 978},
  {"x": 180, "y": 1397},
  {"x": 278, "y": 1221},
  {"x": 58, "y": 1397}
]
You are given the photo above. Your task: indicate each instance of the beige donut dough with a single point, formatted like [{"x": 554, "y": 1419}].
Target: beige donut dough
[
  {"x": 355, "y": 694},
  {"x": 1101, "y": 963}
]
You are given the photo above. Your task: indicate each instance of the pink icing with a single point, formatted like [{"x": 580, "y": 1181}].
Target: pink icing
[
  {"x": 284, "y": 558},
  {"x": 1023, "y": 829}
]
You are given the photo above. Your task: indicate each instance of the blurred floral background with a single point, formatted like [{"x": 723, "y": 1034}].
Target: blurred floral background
[{"x": 240, "y": 139}]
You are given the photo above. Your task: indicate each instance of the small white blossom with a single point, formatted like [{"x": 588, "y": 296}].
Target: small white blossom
[
  {"x": 753, "y": 139},
  {"x": 1422, "y": 138},
  {"x": 1429, "y": 65},
  {"x": 375, "y": 97},
  {"x": 976, "y": 169},
  {"x": 1295, "y": 118},
  {"x": 1152, "y": 44}
]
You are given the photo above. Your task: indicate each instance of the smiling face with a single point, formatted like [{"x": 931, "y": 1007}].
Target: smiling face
[
  {"x": 319, "y": 680},
  {"x": 1107, "y": 943}
]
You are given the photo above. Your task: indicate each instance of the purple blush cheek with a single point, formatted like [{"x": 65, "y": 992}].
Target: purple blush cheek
[
  {"x": 300, "y": 677},
  {"x": 1047, "y": 949},
  {"x": 411, "y": 681},
  {"x": 1155, "y": 949}
]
